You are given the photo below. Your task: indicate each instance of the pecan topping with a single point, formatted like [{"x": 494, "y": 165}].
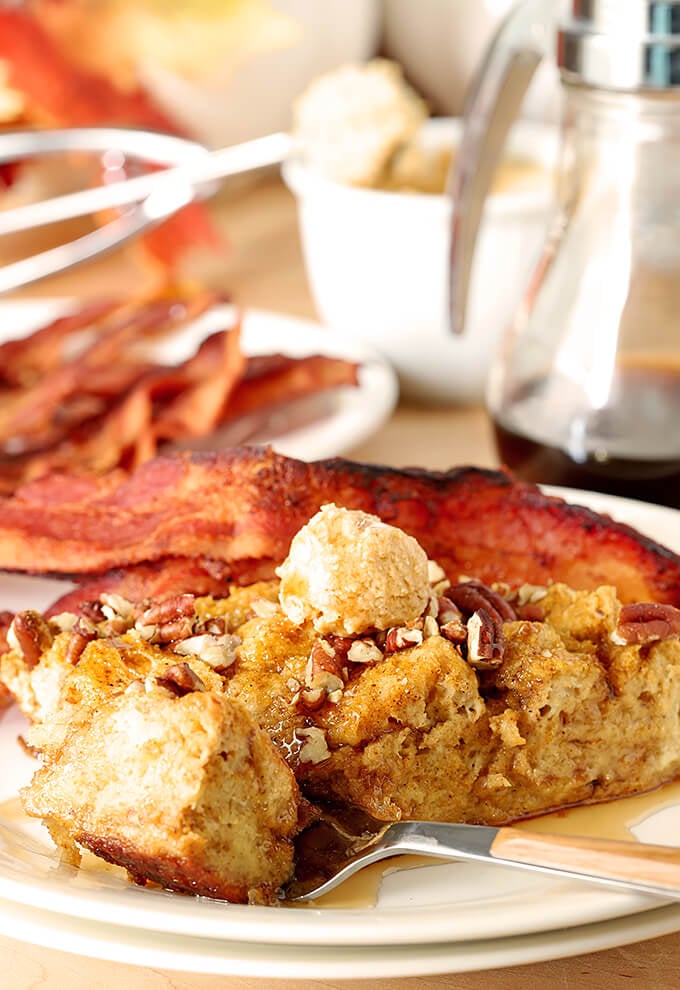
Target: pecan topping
[
  {"x": 168, "y": 611},
  {"x": 485, "y": 640},
  {"x": 470, "y": 596},
  {"x": 93, "y": 611},
  {"x": 646, "y": 622},
  {"x": 218, "y": 651},
  {"x": 323, "y": 675},
  {"x": 30, "y": 634},
  {"x": 116, "y": 604},
  {"x": 169, "y": 632},
  {"x": 63, "y": 621},
  {"x": 82, "y": 633},
  {"x": 214, "y": 625},
  {"x": 402, "y": 638},
  {"x": 436, "y": 576},
  {"x": 364, "y": 651},
  {"x": 180, "y": 679},
  {"x": 314, "y": 747},
  {"x": 454, "y": 630}
]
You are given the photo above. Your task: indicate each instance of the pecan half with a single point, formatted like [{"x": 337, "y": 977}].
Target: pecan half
[
  {"x": 646, "y": 622},
  {"x": 30, "y": 634},
  {"x": 180, "y": 679},
  {"x": 470, "y": 596},
  {"x": 485, "y": 640}
]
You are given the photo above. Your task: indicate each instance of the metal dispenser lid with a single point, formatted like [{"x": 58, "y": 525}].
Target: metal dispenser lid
[{"x": 621, "y": 44}]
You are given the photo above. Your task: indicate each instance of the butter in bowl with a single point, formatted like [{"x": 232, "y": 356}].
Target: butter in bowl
[{"x": 375, "y": 226}]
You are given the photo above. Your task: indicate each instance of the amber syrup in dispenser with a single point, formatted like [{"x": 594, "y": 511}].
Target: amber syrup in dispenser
[{"x": 631, "y": 451}]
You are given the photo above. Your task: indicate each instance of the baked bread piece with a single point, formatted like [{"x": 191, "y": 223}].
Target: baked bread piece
[
  {"x": 568, "y": 715},
  {"x": 187, "y": 792},
  {"x": 484, "y": 705}
]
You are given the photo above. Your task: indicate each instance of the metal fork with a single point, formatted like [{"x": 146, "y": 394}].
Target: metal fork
[{"x": 649, "y": 869}]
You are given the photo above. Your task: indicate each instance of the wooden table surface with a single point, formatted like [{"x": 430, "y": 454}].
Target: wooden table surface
[{"x": 263, "y": 267}]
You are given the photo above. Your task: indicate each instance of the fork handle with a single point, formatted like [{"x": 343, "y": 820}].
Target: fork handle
[{"x": 649, "y": 865}]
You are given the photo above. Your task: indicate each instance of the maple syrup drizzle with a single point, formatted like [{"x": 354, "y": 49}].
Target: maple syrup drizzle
[{"x": 610, "y": 820}]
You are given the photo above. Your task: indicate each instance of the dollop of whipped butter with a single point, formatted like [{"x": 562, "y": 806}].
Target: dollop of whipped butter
[
  {"x": 352, "y": 120},
  {"x": 349, "y": 572}
]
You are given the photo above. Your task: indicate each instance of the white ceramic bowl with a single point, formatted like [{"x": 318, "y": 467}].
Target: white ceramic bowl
[{"x": 377, "y": 266}]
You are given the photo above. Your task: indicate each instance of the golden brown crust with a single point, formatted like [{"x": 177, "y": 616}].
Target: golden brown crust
[{"x": 187, "y": 792}]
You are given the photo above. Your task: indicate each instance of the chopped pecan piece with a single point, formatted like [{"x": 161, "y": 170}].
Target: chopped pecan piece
[
  {"x": 214, "y": 625},
  {"x": 169, "y": 632},
  {"x": 82, "y": 633},
  {"x": 263, "y": 608},
  {"x": 180, "y": 679},
  {"x": 30, "y": 634},
  {"x": 169, "y": 610},
  {"x": 364, "y": 651},
  {"x": 114, "y": 604},
  {"x": 323, "y": 675},
  {"x": 455, "y": 630},
  {"x": 314, "y": 747},
  {"x": 93, "y": 611},
  {"x": 218, "y": 651},
  {"x": 63, "y": 621},
  {"x": 402, "y": 638},
  {"x": 646, "y": 622},
  {"x": 447, "y": 611},
  {"x": 485, "y": 641}
]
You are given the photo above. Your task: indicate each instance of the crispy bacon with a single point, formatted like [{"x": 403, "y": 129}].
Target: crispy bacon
[
  {"x": 245, "y": 505},
  {"x": 61, "y": 94},
  {"x": 89, "y": 397}
]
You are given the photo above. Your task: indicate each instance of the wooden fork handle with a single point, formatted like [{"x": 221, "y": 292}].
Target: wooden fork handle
[{"x": 658, "y": 866}]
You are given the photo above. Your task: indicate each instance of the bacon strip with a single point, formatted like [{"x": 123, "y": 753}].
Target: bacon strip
[{"x": 245, "y": 505}]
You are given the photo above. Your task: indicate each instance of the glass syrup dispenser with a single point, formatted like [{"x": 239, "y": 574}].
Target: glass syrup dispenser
[{"x": 585, "y": 390}]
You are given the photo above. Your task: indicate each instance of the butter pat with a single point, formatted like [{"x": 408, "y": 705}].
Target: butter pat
[
  {"x": 352, "y": 120},
  {"x": 349, "y": 573}
]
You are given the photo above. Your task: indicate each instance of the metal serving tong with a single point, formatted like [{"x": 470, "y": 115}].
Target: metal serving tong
[{"x": 191, "y": 172}]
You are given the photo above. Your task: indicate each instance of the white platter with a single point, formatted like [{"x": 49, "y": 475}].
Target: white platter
[
  {"x": 351, "y": 414},
  {"x": 160, "y": 950},
  {"x": 455, "y": 903}
]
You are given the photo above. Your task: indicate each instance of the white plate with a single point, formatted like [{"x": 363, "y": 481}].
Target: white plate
[
  {"x": 351, "y": 414},
  {"x": 453, "y": 903},
  {"x": 160, "y": 950}
]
